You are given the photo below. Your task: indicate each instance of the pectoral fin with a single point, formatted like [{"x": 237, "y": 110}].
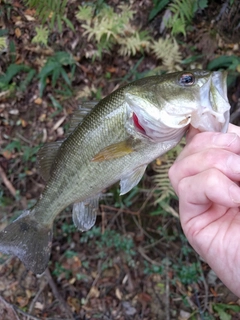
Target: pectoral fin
[
  {"x": 84, "y": 213},
  {"x": 131, "y": 180},
  {"x": 116, "y": 150}
]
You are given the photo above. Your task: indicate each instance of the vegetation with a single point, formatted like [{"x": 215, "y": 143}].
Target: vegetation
[{"x": 54, "y": 54}]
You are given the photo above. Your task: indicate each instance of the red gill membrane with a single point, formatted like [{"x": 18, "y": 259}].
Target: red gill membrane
[{"x": 137, "y": 124}]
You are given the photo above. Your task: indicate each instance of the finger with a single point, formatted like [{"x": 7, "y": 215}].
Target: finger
[
  {"x": 208, "y": 194},
  {"x": 234, "y": 129},
  {"x": 191, "y": 133},
  {"x": 206, "y": 140},
  {"x": 226, "y": 162}
]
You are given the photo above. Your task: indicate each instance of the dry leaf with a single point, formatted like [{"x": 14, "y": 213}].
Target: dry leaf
[
  {"x": 38, "y": 101},
  {"x": 93, "y": 293},
  {"x": 22, "y": 301},
  {"x": 23, "y": 122},
  {"x": 7, "y": 154},
  {"x": 18, "y": 32},
  {"x": 118, "y": 294},
  {"x": 42, "y": 117},
  {"x": 39, "y": 305}
]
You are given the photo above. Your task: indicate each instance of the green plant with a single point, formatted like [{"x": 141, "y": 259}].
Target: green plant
[
  {"x": 182, "y": 13},
  {"x": 52, "y": 10},
  {"x": 3, "y": 44},
  {"x": 41, "y": 36},
  {"x": 120, "y": 243},
  {"x": 230, "y": 63},
  {"x": 222, "y": 310},
  {"x": 6, "y": 80},
  {"x": 109, "y": 28},
  {"x": 188, "y": 273},
  {"x": 168, "y": 51},
  {"x": 158, "y": 6},
  {"x": 55, "y": 68},
  {"x": 164, "y": 192},
  {"x": 28, "y": 153}
]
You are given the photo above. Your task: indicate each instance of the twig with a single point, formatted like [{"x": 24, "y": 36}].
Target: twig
[
  {"x": 25, "y": 314},
  {"x": 205, "y": 289},
  {"x": 141, "y": 228},
  {"x": 7, "y": 182},
  {"x": 42, "y": 286},
  {"x": 23, "y": 138},
  {"x": 167, "y": 295},
  {"x": 9, "y": 307},
  {"x": 141, "y": 251},
  {"x": 63, "y": 304},
  {"x": 118, "y": 209}
]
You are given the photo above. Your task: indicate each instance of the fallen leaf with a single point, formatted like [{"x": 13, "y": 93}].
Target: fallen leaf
[
  {"x": 29, "y": 18},
  {"x": 38, "y": 100},
  {"x": 93, "y": 293},
  {"x": 18, "y": 32},
  {"x": 118, "y": 293},
  {"x": 74, "y": 303},
  {"x": 22, "y": 301},
  {"x": 42, "y": 117},
  {"x": 24, "y": 123},
  {"x": 7, "y": 154}
]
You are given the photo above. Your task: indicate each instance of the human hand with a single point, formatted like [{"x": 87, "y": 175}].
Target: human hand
[{"x": 206, "y": 178}]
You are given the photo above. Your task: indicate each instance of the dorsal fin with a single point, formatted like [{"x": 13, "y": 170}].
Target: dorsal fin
[
  {"x": 78, "y": 115},
  {"x": 46, "y": 156}
]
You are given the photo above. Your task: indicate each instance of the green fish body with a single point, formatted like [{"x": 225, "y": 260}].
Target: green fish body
[{"x": 114, "y": 140}]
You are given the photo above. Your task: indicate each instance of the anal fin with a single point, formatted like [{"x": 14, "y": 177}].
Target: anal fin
[{"x": 84, "y": 213}]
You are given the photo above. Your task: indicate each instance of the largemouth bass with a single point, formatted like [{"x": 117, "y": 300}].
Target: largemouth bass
[{"x": 114, "y": 140}]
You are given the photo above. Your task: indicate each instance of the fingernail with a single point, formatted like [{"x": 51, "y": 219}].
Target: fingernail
[
  {"x": 234, "y": 192},
  {"x": 224, "y": 140}
]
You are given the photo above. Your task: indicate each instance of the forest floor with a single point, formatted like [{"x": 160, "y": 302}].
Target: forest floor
[{"x": 135, "y": 263}]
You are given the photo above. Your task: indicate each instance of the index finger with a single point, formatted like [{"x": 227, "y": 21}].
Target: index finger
[{"x": 198, "y": 141}]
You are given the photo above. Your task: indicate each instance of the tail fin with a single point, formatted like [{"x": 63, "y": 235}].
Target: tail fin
[{"x": 29, "y": 240}]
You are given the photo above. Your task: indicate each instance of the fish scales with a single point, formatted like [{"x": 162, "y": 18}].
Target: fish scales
[{"x": 115, "y": 141}]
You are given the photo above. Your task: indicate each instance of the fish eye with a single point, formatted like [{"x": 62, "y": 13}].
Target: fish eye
[{"x": 187, "y": 79}]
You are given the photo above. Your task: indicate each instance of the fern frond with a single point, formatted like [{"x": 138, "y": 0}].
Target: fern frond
[
  {"x": 46, "y": 8},
  {"x": 139, "y": 41},
  {"x": 168, "y": 51},
  {"x": 85, "y": 13},
  {"x": 109, "y": 27},
  {"x": 164, "y": 191},
  {"x": 41, "y": 36},
  {"x": 3, "y": 44},
  {"x": 182, "y": 14}
]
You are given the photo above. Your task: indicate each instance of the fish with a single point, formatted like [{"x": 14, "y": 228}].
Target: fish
[{"x": 109, "y": 141}]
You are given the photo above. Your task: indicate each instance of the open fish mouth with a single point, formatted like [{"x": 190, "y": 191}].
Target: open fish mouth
[
  {"x": 213, "y": 112},
  {"x": 206, "y": 108}
]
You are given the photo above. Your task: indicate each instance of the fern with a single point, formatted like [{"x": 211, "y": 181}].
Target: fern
[
  {"x": 41, "y": 36},
  {"x": 139, "y": 41},
  {"x": 85, "y": 13},
  {"x": 108, "y": 28},
  {"x": 48, "y": 9},
  {"x": 164, "y": 191},
  {"x": 168, "y": 51},
  {"x": 3, "y": 44},
  {"x": 182, "y": 14}
]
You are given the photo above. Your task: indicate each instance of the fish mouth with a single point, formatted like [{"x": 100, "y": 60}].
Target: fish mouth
[{"x": 213, "y": 115}]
